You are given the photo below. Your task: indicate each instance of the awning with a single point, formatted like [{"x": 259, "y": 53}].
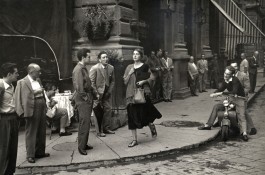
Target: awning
[{"x": 239, "y": 28}]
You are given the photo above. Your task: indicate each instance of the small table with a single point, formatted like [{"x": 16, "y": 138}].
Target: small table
[{"x": 64, "y": 102}]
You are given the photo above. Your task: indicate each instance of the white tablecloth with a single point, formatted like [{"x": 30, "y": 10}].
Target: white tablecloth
[{"x": 64, "y": 102}]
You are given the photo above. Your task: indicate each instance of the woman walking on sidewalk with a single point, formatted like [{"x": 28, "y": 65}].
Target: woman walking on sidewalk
[{"x": 138, "y": 75}]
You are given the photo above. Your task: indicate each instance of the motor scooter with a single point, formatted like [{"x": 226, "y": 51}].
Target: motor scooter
[{"x": 228, "y": 119}]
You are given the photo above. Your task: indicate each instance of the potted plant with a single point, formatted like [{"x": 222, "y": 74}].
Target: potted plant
[{"x": 97, "y": 22}]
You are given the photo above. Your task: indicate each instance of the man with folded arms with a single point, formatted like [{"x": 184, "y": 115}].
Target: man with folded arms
[
  {"x": 30, "y": 104},
  {"x": 8, "y": 120}
]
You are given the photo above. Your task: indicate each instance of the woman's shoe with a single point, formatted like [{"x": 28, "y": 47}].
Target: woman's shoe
[
  {"x": 153, "y": 130},
  {"x": 133, "y": 143}
]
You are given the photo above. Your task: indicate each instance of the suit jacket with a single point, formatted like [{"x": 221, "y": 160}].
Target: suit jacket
[
  {"x": 98, "y": 79},
  {"x": 244, "y": 80},
  {"x": 253, "y": 64},
  {"x": 24, "y": 98},
  {"x": 81, "y": 81},
  {"x": 202, "y": 66},
  {"x": 170, "y": 63}
]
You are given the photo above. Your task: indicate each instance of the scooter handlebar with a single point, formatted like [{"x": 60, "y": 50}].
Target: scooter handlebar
[{"x": 226, "y": 95}]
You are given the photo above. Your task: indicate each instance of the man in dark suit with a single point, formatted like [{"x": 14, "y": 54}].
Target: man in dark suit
[
  {"x": 8, "y": 120},
  {"x": 102, "y": 79},
  {"x": 253, "y": 65},
  {"x": 30, "y": 104},
  {"x": 83, "y": 99},
  {"x": 234, "y": 87}
]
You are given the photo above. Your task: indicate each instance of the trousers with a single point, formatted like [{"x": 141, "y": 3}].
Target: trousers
[
  {"x": 167, "y": 84},
  {"x": 240, "y": 110},
  {"x": 84, "y": 108},
  {"x": 8, "y": 143},
  {"x": 36, "y": 130},
  {"x": 202, "y": 81}
]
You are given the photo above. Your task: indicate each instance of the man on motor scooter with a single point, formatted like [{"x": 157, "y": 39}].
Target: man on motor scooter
[{"x": 234, "y": 87}]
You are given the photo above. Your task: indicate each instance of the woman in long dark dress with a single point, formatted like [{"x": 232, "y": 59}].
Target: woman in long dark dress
[{"x": 139, "y": 115}]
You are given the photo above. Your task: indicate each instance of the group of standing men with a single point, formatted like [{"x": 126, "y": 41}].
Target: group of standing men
[
  {"x": 91, "y": 87},
  {"x": 162, "y": 68},
  {"x": 29, "y": 101},
  {"x": 197, "y": 73}
]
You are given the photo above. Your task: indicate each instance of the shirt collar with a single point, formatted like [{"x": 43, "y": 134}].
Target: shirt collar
[
  {"x": 81, "y": 63},
  {"x": 30, "y": 78},
  {"x": 6, "y": 85},
  {"x": 104, "y": 67},
  {"x": 236, "y": 74},
  {"x": 229, "y": 80}
]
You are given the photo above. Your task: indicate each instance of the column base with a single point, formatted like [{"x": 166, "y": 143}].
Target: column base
[{"x": 181, "y": 94}]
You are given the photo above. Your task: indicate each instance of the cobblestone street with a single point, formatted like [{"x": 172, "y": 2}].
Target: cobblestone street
[{"x": 233, "y": 157}]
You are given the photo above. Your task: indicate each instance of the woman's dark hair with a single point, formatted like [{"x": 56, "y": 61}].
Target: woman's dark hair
[
  {"x": 140, "y": 52},
  {"x": 82, "y": 53},
  {"x": 101, "y": 53},
  {"x": 7, "y": 68}
]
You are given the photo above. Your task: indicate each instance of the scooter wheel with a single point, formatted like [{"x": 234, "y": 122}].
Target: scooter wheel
[{"x": 224, "y": 133}]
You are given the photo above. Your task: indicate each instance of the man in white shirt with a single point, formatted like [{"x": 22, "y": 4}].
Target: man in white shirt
[
  {"x": 30, "y": 104},
  {"x": 8, "y": 120},
  {"x": 193, "y": 77},
  {"x": 244, "y": 64},
  {"x": 244, "y": 80}
]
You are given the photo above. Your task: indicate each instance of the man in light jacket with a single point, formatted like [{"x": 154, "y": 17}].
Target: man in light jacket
[
  {"x": 103, "y": 79},
  {"x": 203, "y": 69},
  {"x": 30, "y": 103}
]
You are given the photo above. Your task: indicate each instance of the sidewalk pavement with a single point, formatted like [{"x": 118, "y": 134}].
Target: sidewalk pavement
[{"x": 177, "y": 130}]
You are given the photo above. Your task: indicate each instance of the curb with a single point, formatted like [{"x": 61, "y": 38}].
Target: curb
[{"x": 74, "y": 166}]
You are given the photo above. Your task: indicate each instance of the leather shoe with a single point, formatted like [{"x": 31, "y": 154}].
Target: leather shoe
[
  {"x": 204, "y": 91},
  {"x": 101, "y": 134},
  {"x": 88, "y": 147},
  {"x": 42, "y": 156},
  {"x": 253, "y": 131},
  {"x": 203, "y": 127},
  {"x": 82, "y": 152},
  {"x": 244, "y": 137},
  {"x": 169, "y": 100},
  {"x": 31, "y": 160},
  {"x": 65, "y": 134},
  {"x": 109, "y": 132}
]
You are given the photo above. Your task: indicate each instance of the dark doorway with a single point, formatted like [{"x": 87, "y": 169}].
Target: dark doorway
[
  {"x": 149, "y": 12},
  {"x": 188, "y": 25}
]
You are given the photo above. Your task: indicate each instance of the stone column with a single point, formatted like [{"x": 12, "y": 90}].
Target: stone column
[
  {"x": 205, "y": 29},
  {"x": 122, "y": 41},
  {"x": 180, "y": 54}
]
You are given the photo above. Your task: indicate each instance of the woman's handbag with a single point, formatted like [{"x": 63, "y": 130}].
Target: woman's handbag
[
  {"x": 139, "y": 96},
  {"x": 51, "y": 112}
]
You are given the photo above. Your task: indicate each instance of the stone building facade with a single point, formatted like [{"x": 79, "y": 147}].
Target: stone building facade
[{"x": 181, "y": 27}]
